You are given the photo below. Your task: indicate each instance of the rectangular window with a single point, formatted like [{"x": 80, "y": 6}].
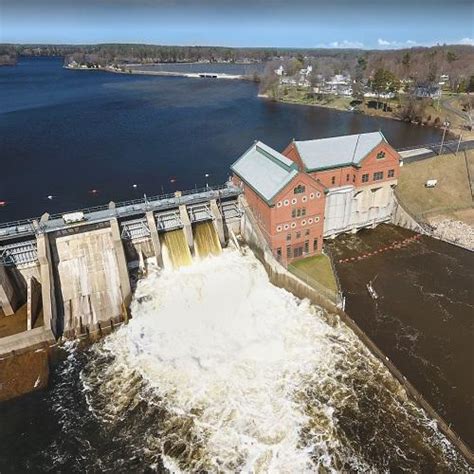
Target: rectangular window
[
  {"x": 365, "y": 178},
  {"x": 303, "y": 211},
  {"x": 293, "y": 213},
  {"x": 298, "y": 212},
  {"x": 298, "y": 252},
  {"x": 288, "y": 251},
  {"x": 299, "y": 189},
  {"x": 298, "y": 235},
  {"x": 378, "y": 175},
  {"x": 353, "y": 178},
  {"x": 333, "y": 180},
  {"x": 306, "y": 232},
  {"x": 347, "y": 177},
  {"x": 391, "y": 173},
  {"x": 315, "y": 245},
  {"x": 306, "y": 246},
  {"x": 279, "y": 253},
  {"x": 288, "y": 236}
]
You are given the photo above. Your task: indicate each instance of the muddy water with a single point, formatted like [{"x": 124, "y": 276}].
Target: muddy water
[{"x": 423, "y": 318}]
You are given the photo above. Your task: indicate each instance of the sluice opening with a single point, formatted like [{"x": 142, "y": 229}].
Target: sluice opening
[
  {"x": 176, "y": 252},
  {"x": 206, "y": 240}
]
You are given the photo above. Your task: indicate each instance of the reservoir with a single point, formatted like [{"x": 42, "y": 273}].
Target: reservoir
[{"x": 65, "y": 133}]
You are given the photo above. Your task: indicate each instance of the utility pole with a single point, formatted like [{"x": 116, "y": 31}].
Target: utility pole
[{"x": 446, "y": 125}]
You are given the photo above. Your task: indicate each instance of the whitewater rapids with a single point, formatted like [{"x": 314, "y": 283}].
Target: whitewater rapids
[{"x": 219, "y": 370}]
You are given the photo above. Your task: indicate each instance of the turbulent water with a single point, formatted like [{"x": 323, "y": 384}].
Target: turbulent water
[
  {"x": 219, "y": 370},
  {"x": 176, "y": 252},
  {"x": 206, "y": 240}
]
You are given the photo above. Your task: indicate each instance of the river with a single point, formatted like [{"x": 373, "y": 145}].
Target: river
[
  {"x": 220, "y": 371},
  {"x": 422, "y": 318},
  {"x": 64, "y": 133}
]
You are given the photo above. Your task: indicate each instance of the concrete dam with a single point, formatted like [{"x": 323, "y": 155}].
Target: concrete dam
[{"x": 74, "y": 274}]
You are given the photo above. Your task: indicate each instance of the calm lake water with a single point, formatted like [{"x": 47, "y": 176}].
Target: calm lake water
[{"x": 64, "y": 133}]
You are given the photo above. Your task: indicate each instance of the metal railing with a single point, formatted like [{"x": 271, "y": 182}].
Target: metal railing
[{"x": 26, "y": 226}]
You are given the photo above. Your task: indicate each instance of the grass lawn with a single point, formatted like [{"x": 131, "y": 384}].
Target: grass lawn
[
  {"x": 318, "y": 268},
  {"x": 450, "y": 194}
]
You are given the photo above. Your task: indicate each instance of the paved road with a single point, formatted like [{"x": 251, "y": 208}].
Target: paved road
[
  {"x": 428, "y": 151},
  {"x": 447, "y": 104}
]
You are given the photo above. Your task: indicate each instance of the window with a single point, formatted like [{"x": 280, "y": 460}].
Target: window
[
  {"x": 315, "y": 245},
  {"x": 294, "y": 201},
  {"x": 333, "y": 180},
  {"x": 298, "y": 235},
  {"x": 365, "y": 178},
  {"x": 391, "y": 173},
  {"x": 380, "y": 155},
  {"x": 288, "y": 251},
  {"x": 306, "y": 232},
  {"x": 279, "y": 253},
  {"x": 353, "y": 178},
  {"x": 297, "y": 252},
  {"x": 293, "y": 213},
  {"x": 347, "y": 177},
  {"x": 306, "y": 246},
  {"x": 298, "y": 212},
  {"x": 279, "y": 228},
  {"x": 299, "y": 189},
  {"x": 288, "y": 236},
  {"x": 378, "y": 175}
]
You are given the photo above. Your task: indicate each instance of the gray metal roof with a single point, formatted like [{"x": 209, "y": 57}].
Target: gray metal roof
[
  {"x": 337, "y": 151},
  {"x": 265, "y": 170}
]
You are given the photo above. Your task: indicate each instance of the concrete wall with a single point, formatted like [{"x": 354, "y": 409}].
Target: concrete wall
[
  {"x": 93, "y": 281},
  {"x": 8, "y": 299},
  {"x": 349, "y": 208},
  {"x": 47, "y": 283},
  {"x": 402, "y": 218},
  {"x": 34, "y": 302}
]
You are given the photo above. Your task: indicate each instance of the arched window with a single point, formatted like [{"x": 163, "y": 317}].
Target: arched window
[
  {"x": 380, "y": 155},
  {"x": 299, "y": 189}
]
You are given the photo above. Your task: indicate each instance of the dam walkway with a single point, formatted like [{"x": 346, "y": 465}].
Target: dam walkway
[{"x": 126, "y": 209}]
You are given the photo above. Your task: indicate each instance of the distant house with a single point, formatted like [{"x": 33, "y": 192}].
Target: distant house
[
  {"x": 428, "y": 91},
  {"x": 280, "y": 71}
]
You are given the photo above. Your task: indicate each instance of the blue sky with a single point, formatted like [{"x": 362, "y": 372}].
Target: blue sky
[{"x": 282, "y": 23}]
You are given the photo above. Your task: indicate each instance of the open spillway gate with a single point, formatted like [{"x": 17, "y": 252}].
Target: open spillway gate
[{"x": 78, "y": 270}]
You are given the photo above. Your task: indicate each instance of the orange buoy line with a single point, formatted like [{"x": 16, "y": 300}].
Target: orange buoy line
[{"x": 395, "y": 245}]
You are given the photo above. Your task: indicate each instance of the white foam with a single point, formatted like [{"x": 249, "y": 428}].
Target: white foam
[{"x": 218, "y": 339}]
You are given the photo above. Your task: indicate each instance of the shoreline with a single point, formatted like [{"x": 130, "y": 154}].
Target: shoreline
[
  {"x": 454, "y": 133},
  {"x": 192, "y": 75}
]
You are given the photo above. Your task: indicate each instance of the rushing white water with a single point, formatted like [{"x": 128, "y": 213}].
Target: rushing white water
[{"x": 237, "y": 374}]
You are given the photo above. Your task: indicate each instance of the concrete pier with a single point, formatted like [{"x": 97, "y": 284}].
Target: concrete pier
[
  {"x": 188, "y": 230},
  {"x": 218, "y": 221},
  {"x": 47, "y": 283},
  {"x": 155, "y": 240},
  {"x": 7, "y": 293}
]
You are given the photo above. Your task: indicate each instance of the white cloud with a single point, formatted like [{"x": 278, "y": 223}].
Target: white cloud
[
  {"x": 344, "y": 44},
  {"x": 396, "y": 44},
  {"x": 469, "y": 41}
]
